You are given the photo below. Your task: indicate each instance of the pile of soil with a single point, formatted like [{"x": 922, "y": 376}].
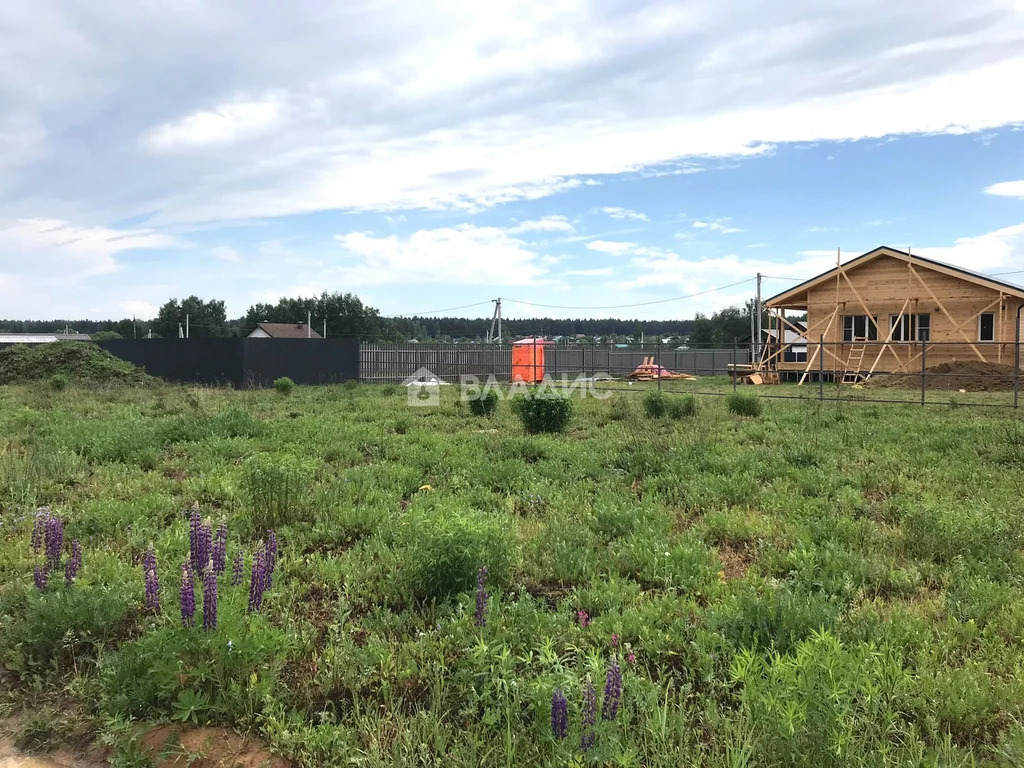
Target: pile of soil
[
  {"x": 79, "y": 361},
  {"x": 969, "y": 375}
]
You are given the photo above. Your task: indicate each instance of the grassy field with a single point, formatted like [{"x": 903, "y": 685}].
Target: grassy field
[{"x": 820, "y": 585}]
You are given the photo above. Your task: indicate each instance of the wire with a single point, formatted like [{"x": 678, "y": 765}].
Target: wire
[
  {"x": 436, "y": 311},
  {"x": 997, "y": 274},
  {"x": 639, "y": 304},
  {"x": 775, "y": 277}
]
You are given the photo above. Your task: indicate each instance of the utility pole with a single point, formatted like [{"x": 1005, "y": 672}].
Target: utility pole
[
  {"x": 496, "y": 318},
  {"x": 309, "y": 327},
  {"x": 181, "y": 333},
  {"x": 325, "y": 327},
  {"x": 135, "y": 333},
  {"x": 186, "y": 326},
  {"x": 759, "y": 329}
]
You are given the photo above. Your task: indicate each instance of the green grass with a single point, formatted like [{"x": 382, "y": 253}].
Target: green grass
[{"x": 823, "y": 585}]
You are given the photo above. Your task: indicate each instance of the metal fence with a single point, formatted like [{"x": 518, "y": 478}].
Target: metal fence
[{"x": 381, "y": 363}]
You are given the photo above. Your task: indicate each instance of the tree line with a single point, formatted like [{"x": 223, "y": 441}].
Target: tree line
[{"x": 346, "y": 315}]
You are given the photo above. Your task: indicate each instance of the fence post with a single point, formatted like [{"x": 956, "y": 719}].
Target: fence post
[
  {"x": 714, "y": 367},
  {"x": 821, "y": 367},
  {"x": 733, "y": 372},
  {"x": 659, "y": 361},
  {"x": 1016, "y": 357},
  {"x": 924, "y": 369}
]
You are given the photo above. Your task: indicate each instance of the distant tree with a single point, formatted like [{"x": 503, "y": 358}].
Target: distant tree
[
  {"x": 205, "y": 318},
  {"x": 730, "y": 324},
  {"x": 106, "y": 336},
  {"x": 345, "y": 314},
  {"x": 703, "y": 333}
]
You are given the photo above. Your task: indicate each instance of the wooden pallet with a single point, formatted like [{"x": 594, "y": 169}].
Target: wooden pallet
[{"x": 649, "y": 370}]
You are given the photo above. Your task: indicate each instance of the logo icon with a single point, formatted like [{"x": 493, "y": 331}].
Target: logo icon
[{"x": 423, "y": 388}]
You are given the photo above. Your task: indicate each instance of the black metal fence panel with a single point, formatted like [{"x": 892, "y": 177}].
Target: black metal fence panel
[
  {"x": 188, "y": 361},
  {"x": 242, "y": 362},
  {"x": 304, "y": 361}
]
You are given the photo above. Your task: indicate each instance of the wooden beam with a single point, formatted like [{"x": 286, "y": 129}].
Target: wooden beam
[
  {"x": 810, "y": 360},
  {"x": 888, "y": 339},
  {"x": 932, "y": 345},
  {"x": 946, "y": 313}
]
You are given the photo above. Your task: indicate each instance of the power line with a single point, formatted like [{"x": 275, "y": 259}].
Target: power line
[
  {"x": 638, "y": 304},
  {"x": 436, "y": 311}
]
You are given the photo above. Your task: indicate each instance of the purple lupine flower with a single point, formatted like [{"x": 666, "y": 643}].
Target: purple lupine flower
[
  {"x": 209, "y": 598},
  {"x": 615, "y": 640},
  {"x": 612, "y": 691},
  {"x": 481, "y": 596},
  {"x": 39, "y": 526},
  {"x": 559, "y": 715},
  {"x": 271, "y": 558},
  {"x": 238, "y": 572},
  {"x": 220, "y": 549},
  {"x": 195, "y": 524},
  {"x": 631, "y": 658},
  {"x": 188, "y": 596},
  {"x": 149, "y": 559},
  {"x": 152, "y": 590},
  {"x": 584, "y": 619},
  {"x": 74, "y": 563},
  {"x": 205, "y": 548},
  {"x": 54, "y": 540},
  {"x": 41, "y": 574},
  {"x": 257, "y": 581},
  {"x": 589, "y": 715}
]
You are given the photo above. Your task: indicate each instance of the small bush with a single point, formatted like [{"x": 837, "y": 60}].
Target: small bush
[
  {"x": 655, "y": 404},
  {"x": 484, "y": 404},
  {"x": 682, "y": 407},
  {"x": 444, "y": 549},
  {"x": 743, "y": 405},
  {"x": 58, "y": 382},
  {"x": 543, "y": 411},
  {"x": 278, "y": 488},
  {"x": 620, "y": 409},
  {"x": 284, "y": 385}
]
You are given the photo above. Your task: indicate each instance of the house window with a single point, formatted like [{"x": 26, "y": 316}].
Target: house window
[
  {"x": 795, "y": 355},
  {"x": 911, "y": 327},
  {"x": 986, "y": 326},
  {"x": 859, "y": 327}
]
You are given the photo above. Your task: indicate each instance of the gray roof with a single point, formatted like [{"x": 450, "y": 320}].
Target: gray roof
[{"x": 41, "y": 338}]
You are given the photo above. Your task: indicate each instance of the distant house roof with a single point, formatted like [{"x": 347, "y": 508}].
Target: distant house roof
[
  {"x": 41, "y": 338},
  {"x": 284, "y": 331},
  {"x": 537, "y": 341}
]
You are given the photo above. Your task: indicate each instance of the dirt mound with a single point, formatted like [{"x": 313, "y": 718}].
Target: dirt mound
[
  {"x": 79, "y": 361},
  {"x": 970, "y": 375},
  {"x": 171, "y": 746}
]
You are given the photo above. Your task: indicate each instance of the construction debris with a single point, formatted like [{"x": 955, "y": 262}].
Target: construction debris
[{"x": 648, "y": 370}]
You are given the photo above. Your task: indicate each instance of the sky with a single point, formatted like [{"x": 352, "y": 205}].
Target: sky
[{"x": 576, "y": 158}]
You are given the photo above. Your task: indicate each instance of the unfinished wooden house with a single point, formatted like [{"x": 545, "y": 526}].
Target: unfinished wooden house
[{"x": 887, "y": 311}]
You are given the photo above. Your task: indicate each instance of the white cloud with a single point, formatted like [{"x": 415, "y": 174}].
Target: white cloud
[
  {"x": 720, "y": 226},
  {"x": 624, "y": 213},
  {"x": 225, "y": 253},
  {"x": 544, "y": 224},
  {"x": 48, "y": 265},
  {"x": 597, "y": 272},
  {"x": 465, "y": 254},
  {"x": 613, "y": 247},
  {"x": 224, "y": 124},
  {"x": 54, "y": 248},
  {"x": 817, "y": 252},
  {"x": 448, "y": 105},
  {"x": 1002, "y": 249},
  {"x": 1007, "y": 189},
  {"x": 140, "y": 309}
]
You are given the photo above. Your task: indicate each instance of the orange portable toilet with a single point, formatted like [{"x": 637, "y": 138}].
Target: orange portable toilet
[{"x": 528, "y": 360}]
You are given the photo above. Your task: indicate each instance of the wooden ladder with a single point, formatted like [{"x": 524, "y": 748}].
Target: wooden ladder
[{"x": 855, "y": 362}]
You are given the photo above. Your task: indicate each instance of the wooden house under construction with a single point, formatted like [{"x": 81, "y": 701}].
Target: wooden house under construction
[{"x": 887, "y": 311}]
